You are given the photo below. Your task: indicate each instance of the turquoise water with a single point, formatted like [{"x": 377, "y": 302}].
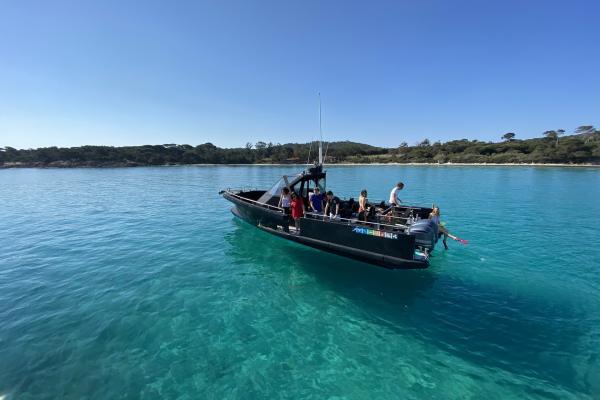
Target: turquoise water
[{"x": 139, "y": 283}]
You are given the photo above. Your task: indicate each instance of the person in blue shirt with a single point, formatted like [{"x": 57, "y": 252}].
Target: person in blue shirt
[{"x": 315, "y": 201}]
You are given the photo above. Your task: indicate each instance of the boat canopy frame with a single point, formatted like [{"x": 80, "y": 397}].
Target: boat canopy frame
[{"x": 299, "y": 183}]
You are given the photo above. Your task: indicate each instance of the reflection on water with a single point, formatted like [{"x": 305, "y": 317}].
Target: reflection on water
[
  {"x": 142, "y": 278},
  {"x": 483, "y": 324}
]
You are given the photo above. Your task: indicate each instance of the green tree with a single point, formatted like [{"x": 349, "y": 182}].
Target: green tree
[
  {"x": 583, "y": 129},
  {"x": 509, "y": 136},
  {"x": 587, "y": 131},
  {"x": 552, "y": 135},
  {"x": 559, "y": 132}
]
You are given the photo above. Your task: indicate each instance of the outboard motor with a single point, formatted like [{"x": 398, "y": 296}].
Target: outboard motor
[{"x": 425, "y": 232}]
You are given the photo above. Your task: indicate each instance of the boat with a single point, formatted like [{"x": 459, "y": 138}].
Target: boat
[
  {"x": 391, "y": 237},
  {"x": 402, "y": 238}
]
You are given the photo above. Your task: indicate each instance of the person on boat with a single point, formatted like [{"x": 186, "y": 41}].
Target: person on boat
[
  {"x": 394, "y": 199},
  {"x": 315, "y": 201},
  {"x": 297, "y": 209},
  {"x": 285, "y": 200},
  {"x": 332, "y": 205},
  {"x": 395, "y": 202},
  {"x": 346, "y": 208},
  {"x": 435, "y": 217},
  {"x": 363, "y": 206}
]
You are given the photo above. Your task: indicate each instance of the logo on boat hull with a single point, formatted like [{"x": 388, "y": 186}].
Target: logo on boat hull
[{"x": 373, "y": 232}]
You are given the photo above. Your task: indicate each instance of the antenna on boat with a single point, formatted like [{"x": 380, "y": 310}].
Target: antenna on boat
[{"x": 320, "y": 133}]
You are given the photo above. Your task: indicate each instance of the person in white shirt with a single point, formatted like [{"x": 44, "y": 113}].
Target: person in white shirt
[{"x": 394, "y": 200}]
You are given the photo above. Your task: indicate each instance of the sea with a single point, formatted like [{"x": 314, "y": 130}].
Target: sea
[{"x": 139, "y": 283}]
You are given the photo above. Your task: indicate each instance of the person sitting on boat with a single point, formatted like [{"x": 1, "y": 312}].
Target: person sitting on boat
[
  {"x": 394, "y": 199},
  {"x": 435, "y": 217},
  {"x": 297, "y": 209},
  {"x": 332, "y": 205},
  {"x": 346, "y": 208},
  {"x": 285, "y": 200},
  {"x": 363, "y": 206},
  {"x": 315, "y": 201}
]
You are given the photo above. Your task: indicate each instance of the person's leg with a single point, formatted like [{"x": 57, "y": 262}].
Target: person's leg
[
  {"x": 442, "y": 230},
  {"x": 287, "y": 216}
]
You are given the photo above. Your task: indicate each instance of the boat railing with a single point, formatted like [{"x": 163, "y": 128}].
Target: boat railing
[
  {"x": 349, "y": 221},
  {"x": 237, "y": 196},
  {"x": 243, "y": 189}
]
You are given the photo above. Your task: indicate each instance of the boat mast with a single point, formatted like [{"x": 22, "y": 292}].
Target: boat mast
[{"x": 321, "y": 134}]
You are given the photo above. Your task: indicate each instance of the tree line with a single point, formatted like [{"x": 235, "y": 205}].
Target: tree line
[{"x": 581, "y": 147}]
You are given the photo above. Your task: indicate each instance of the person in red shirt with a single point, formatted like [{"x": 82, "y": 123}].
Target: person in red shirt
[{"x": 297, "y": 209}]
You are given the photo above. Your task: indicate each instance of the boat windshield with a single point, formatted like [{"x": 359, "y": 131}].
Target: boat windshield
[
  {"x": 275, "y": 191},
  {"x": 310, "y": 186}
]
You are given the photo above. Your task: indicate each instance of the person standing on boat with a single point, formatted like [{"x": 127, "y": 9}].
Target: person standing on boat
[
  {"x": 285, "y": 200},
  {"x": 363, "y": 205},
  {"x": 332, "y": 205},
  {"x": 394, "y": 199},
  {"x": 297, "y": 209},
  {"x": 315, "y": 200}
]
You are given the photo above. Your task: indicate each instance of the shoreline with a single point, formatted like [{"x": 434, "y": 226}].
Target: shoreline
[
  {"x": 131, "y": 165},
  {"x": 435, "y": 165}
]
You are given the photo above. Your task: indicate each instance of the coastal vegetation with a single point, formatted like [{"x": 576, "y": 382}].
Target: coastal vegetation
[{"x": 581, "y": 147}]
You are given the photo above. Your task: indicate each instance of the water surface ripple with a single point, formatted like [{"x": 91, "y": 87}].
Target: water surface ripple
[{"x": 139, "y": 283}]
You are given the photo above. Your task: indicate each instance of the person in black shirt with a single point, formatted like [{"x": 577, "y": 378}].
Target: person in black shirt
[{"x": 332, "y": 205}]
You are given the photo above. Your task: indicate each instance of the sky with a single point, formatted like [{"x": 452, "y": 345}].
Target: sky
[{"x": 230, "y": 72}]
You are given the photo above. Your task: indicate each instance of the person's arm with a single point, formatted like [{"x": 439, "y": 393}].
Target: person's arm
[
  {"x": 326, "y": 208},
  {"x": 337, "y": 209},
  {"x": 280, "y": 199}
]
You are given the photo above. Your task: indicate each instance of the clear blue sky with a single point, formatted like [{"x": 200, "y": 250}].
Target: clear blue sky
[{"x": 228, "y": 72}]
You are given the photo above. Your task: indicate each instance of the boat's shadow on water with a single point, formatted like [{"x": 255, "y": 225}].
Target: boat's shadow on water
[{"x": 486, "y": 325}]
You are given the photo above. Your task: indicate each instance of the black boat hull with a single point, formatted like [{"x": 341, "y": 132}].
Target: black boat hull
[
  {"x": 380, "y": 260},
  {"x": 396, "y": 251},
  {"x": 254, "y": 214}
]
